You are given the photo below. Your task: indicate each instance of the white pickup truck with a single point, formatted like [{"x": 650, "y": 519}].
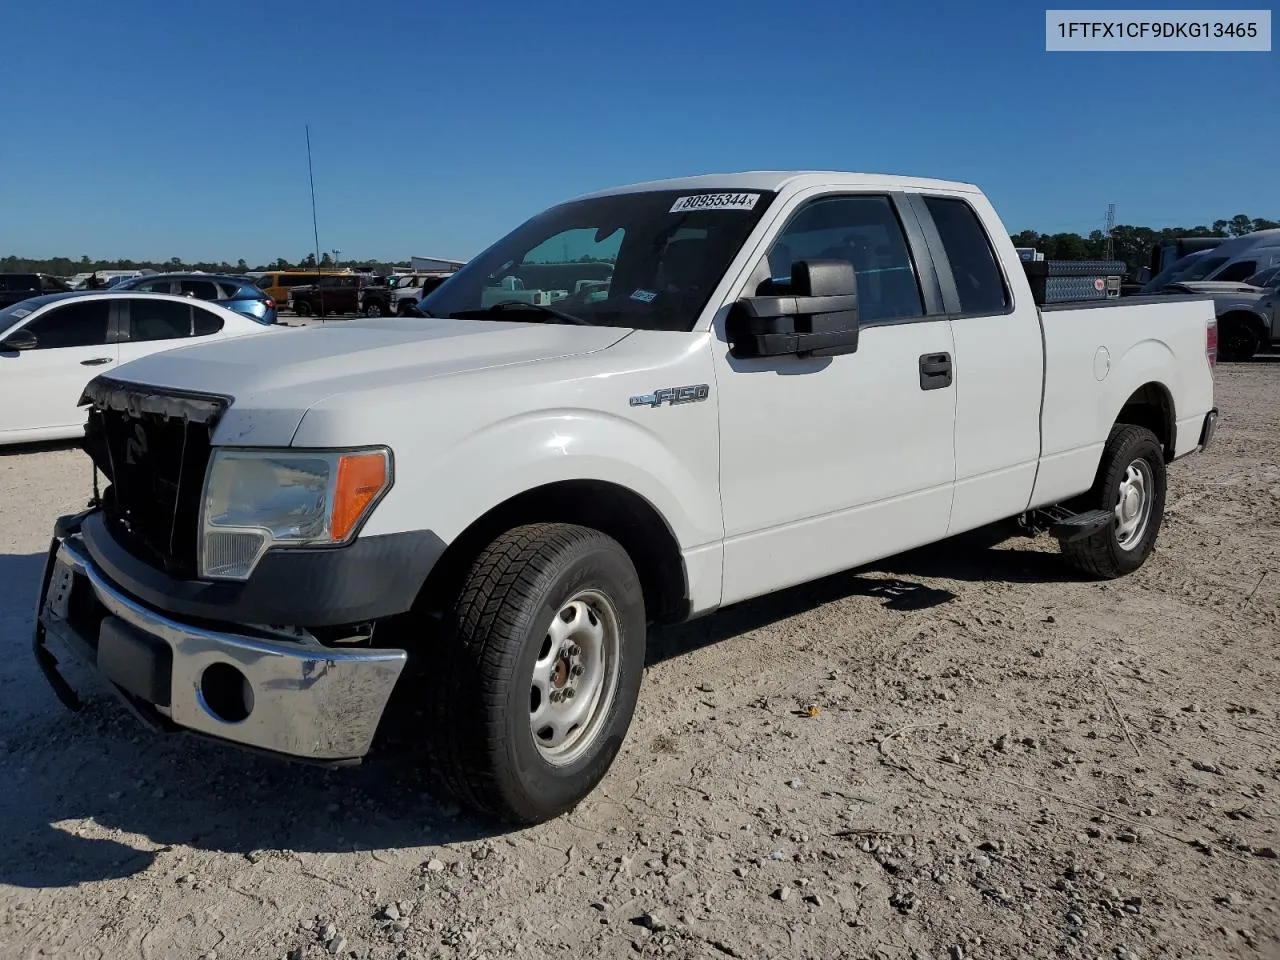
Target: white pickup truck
[{"x": 706, "y": 390}]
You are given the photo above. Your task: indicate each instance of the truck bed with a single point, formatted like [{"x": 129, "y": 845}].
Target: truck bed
[{"x": 1099, "y": 354}]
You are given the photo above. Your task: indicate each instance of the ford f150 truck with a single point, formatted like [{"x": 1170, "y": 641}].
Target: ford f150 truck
[{"x": 638, "y": 407}]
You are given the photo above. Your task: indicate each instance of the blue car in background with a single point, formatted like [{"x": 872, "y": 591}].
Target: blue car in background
[{"x": 235, "y": 293}]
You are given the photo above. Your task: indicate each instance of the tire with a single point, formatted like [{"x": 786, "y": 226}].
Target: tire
[
  {"x": 404, "y": 308},
  {"x": 1132, "y": 468},
  {"x": 1236, "y": 341},
  {"x": 373, "y": 309},
  {"x": 302, "y": 309},
  {"x": 510, "y": 651}
]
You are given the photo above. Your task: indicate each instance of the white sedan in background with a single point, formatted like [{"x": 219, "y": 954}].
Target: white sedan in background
[{"x": 52, "y": 346}]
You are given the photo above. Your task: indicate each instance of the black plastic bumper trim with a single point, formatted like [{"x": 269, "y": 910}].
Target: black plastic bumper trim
[{"x": 371, "y": 578}]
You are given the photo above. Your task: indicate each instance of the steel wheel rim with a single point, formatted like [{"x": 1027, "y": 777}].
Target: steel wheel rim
[
  {"x": 575, "y": 678},
  {"x": 1133, "y": 504}
]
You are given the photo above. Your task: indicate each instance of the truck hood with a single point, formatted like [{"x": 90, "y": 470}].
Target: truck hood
[{"x": 274, "y": 377}]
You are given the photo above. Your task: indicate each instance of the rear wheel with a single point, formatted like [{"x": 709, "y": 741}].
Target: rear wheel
[
  {"x": 539, "y": 671},
  {"x": 302, "y": 309},
  {"x": 1237, "y": 341},
  {"x": 373, "y": 309},
  {"x": 1131, "y": 486}
]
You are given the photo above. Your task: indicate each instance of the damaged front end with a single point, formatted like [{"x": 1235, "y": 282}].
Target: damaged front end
[{"x": 120, "y": 592}]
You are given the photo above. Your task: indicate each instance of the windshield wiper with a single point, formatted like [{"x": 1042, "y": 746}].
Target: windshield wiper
[{"x": 524, "y": 305}]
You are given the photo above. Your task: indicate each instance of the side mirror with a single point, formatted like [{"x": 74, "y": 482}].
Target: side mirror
[
  {"x": 819, "y": 318},
  {"x": 21, "y": 340}
]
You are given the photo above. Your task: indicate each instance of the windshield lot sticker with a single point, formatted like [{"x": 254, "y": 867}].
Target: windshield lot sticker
[
  {"x": 644, "y": 296},
  {"x": 716, "y": 201},
  {"x": 19, "y": 314}
]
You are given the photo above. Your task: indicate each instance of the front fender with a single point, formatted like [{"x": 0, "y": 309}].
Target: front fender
[{"x": 449, "y": 489}]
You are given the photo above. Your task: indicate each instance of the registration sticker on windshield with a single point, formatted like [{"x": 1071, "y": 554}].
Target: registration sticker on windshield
[
  {"x": 716, "y": 201},
  {"x": 19, "y": 314},
  {"x": 644, "y": 296}
]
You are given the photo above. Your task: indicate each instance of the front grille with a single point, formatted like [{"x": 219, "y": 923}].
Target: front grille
[{"x": 154, "y": 448}]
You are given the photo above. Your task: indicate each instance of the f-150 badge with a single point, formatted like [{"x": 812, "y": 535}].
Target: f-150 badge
[{"x": 673, "y": 396}]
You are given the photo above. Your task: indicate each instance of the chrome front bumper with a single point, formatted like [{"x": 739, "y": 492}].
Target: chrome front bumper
[{"x": 290, "y": 697}]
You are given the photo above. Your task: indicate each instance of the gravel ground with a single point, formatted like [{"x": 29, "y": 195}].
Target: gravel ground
[{"x": 963, "y": 752}]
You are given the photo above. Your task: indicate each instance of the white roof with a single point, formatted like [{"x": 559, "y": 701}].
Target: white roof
[{"x": 777, "y": 179}]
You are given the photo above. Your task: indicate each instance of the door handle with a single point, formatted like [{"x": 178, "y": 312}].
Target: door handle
[
  {"x": 95, "y": 362},
  {"x": 935, "y": 371}
]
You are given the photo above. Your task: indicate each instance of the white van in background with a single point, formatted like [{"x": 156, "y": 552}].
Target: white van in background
[{"x": 1231, "y": 262}]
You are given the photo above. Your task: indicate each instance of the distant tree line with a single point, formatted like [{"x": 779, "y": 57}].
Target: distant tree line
[
  {"x": 67, "y": 267},
  {"x": 1130, "y": 244}
]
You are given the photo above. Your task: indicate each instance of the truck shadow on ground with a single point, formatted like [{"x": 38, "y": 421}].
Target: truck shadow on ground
[
  {"x": 94, "y": 796},
  {"x": 983, "y": 555}
]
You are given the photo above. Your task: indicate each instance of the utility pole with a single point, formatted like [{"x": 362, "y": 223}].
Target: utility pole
[{"x": 1111, "y": 225}]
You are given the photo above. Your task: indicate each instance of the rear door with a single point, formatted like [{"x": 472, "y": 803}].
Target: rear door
[
  {"x": 40, "y": 388},
  {"x": 999, "y": 357}
]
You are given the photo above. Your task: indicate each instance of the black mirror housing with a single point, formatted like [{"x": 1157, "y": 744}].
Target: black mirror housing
[
  {"x": 819, "y": 318},
  {"x": 21, "y": 340}
]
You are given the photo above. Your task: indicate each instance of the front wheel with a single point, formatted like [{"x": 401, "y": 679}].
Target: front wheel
[
  {"x": 302, "y": 309},
  {"x": 539, "y": 671},
  {"x": 1131, "y": 486},
  {"x": 373, "y": 309}
]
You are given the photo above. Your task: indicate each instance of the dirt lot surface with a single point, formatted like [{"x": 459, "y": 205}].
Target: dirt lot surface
[{"x": 964, "y": 752}]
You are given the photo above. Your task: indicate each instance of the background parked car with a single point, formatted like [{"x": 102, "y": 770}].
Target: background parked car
[
  {"x": 15, "y": 287},
  {"x": 51, "y": 346},
  {"x": 278, "y": 283},
  {"x": 1245, "y": 310},
  {"x": 333, "y": 294},
  {"x": 410, "y": 290},
  {"x": 375, "y": 298},
  {"x": 235, "y": 293}
]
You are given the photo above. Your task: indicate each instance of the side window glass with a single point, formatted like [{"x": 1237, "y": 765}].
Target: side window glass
[
  {"x": 154, "y": 286},
  {"x": 862, "y": 230},
  {"x": 1235, "y": 272},
  {"x": 206, "y": 323},
  {"x": 979, "y": 283},
  {"x": 74, "y": 325},
  {"x": 200, "y": 289},
  {"x": 159, "y": 319}
]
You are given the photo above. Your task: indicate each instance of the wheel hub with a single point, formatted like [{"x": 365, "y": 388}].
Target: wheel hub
[
  {"x": 574, "y": 677},
  {"x": 1133, "y": 504}
]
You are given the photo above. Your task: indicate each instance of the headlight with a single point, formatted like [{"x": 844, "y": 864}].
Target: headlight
[{"x": 256, "y": 499}]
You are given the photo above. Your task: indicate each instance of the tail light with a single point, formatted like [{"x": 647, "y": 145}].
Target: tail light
[
  {"x": 1211, "y": 342},
  {"x": 269, "y": 302}
]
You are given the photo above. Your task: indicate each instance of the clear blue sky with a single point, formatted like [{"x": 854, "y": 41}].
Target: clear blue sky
[{"x": 149, "y": 130}]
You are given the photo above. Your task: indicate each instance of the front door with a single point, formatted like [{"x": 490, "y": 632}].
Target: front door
[
  {"x": 42, "y": 386},
  {"x": 827, "y": 463}
]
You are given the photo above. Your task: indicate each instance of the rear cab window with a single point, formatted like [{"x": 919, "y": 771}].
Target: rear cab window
[{"x": 979, "y": 282}]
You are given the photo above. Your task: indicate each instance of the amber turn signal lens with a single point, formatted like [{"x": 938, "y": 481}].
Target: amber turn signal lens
[{"x": 361, "y": 478}]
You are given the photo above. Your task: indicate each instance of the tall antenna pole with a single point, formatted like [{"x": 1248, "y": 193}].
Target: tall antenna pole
[
  {"x": 314, "y": 224},
  {"x": 1111, "y": 225}
]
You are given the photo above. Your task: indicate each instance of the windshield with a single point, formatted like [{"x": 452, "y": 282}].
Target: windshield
[
  {"x": 10, "y": 317},
  {"x": 1269, "y": 277},
  {"x": 1200, "y": 269},
  {"x": 644, "y": 260},
  {"x": 1175, "y": 271}
]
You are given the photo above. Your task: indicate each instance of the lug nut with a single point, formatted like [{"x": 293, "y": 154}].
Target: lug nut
[
  {"x": 578, "y": 669},
  {"x": 568, "y": 693},
  {"x": 574, "y": 650}
]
